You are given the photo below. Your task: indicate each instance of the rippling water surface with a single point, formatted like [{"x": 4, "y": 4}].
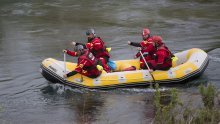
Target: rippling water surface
[{"x": 31, "y": 31}]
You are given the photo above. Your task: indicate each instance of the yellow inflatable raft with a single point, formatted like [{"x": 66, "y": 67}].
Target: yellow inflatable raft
[{"x": 191, "y": 63}]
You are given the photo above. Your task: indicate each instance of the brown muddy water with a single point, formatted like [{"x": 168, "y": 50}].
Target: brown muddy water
[{"x": 32, "y": 30}]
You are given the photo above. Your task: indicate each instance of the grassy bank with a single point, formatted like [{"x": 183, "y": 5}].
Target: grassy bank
[{"x": 169, "y": 109}]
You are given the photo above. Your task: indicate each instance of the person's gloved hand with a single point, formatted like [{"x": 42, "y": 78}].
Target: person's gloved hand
[
  {"x": 65, "y": 51},
  {"x": 74, "y": 43},
  {"x": 129, "y": 42},
  {"x": 135, "y": 57},
  {"x": 64, "y": 76},
  {"x": 139, "y": 48}
]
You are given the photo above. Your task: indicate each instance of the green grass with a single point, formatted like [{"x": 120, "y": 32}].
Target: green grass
[{"x": 169, "y": 109}]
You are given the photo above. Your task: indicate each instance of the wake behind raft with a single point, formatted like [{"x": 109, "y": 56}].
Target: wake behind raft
[{"x": 190, "y": 64}]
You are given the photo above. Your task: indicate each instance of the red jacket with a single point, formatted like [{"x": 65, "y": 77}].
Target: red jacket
[
  {"x": 150, "y": 45},
  {"x": 97, "y": 47},
  {"x": 86, "y": 64},
  {"x": 159, "y": 56},
  {"x": 147, "y": 47},
  {"x": 162, "y": 59}
]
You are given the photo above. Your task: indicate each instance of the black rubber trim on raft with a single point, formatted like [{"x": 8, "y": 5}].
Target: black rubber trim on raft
[{"x": 53, "y": 77}]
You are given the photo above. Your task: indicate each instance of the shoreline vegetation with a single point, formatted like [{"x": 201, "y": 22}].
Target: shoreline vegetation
[{"x": 169, "y": 109}]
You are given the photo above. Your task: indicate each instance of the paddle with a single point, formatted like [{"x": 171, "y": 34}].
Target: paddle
[
  {"x": 147, "y": 65},
  {"x": 64, "y": 59}
]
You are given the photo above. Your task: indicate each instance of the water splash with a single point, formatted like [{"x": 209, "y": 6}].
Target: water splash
[{"x": 61, "y": 89}]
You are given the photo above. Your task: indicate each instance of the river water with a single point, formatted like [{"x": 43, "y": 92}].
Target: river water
[{"x": 33, "y": 30}]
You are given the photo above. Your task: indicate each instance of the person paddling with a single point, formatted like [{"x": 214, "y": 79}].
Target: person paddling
[
  {"x": 156, "y": 54},
  {"x": 97, "y": 46},
  {"x": 87, "y": 64}
]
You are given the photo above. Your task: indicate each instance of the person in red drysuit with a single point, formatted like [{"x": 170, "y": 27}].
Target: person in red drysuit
[
  {"x": 87, "y": 63},
  {"x": 152, "y": 47},
  {"x": 162, "y": 59},
  {"x": 97, "y": 46}
]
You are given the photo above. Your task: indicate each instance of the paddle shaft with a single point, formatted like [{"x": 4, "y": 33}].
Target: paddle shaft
[
  {"x": 144, "y": 60},
  {"x": 147, "y": 65},
  {"x": 64, "y": 59}
]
